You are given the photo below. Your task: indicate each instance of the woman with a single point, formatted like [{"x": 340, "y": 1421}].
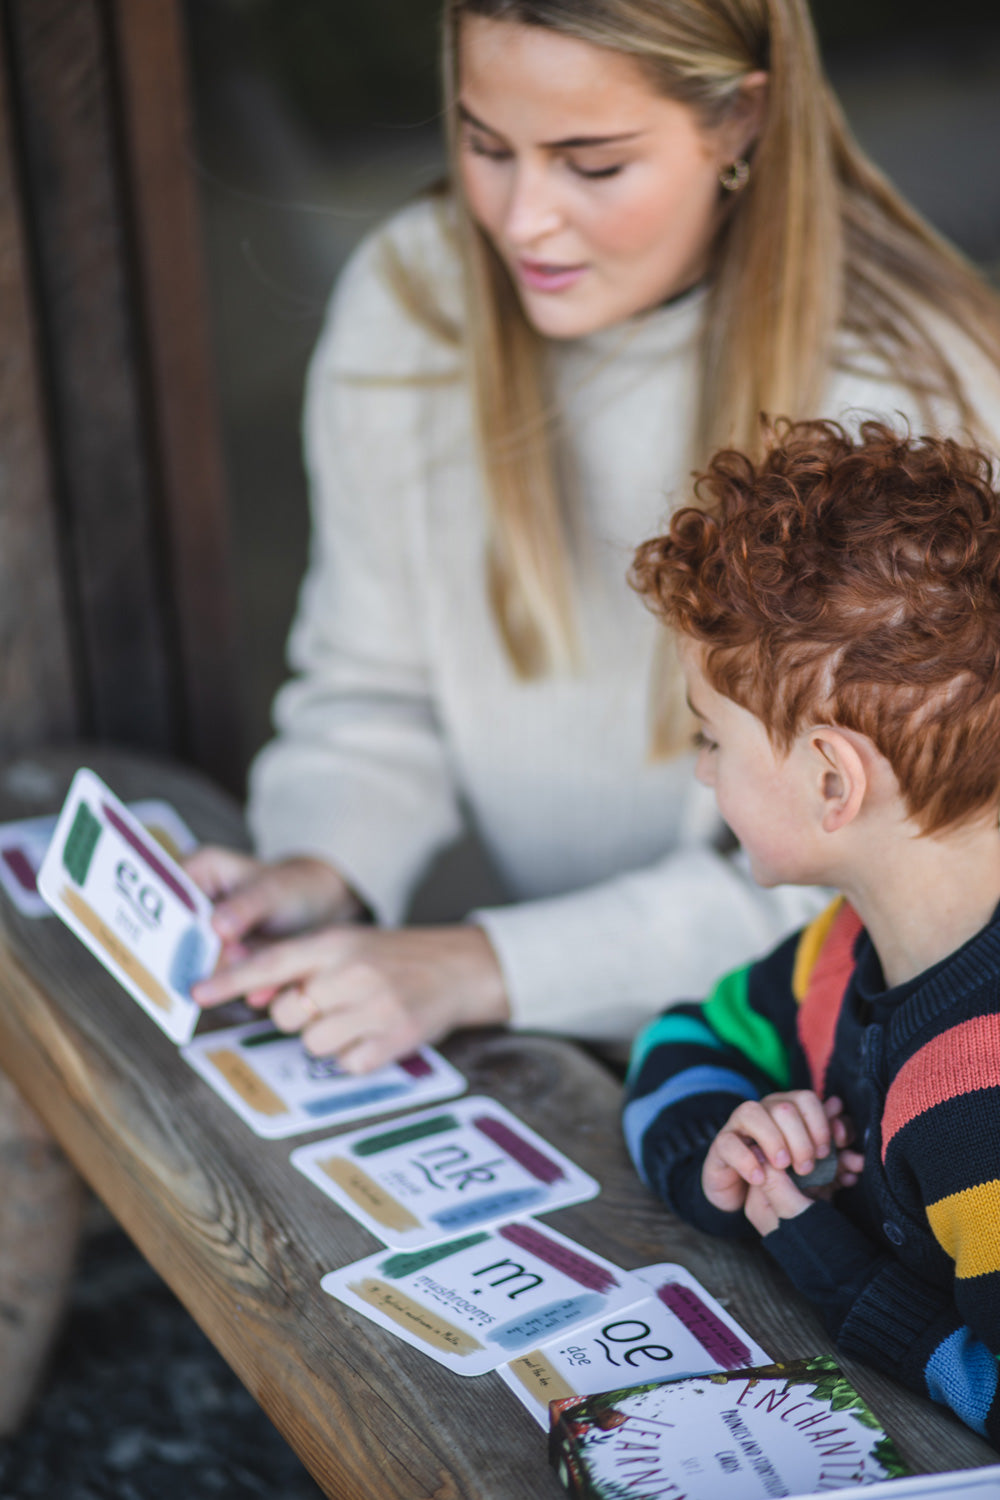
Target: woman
[{"x": 657, "y": 228}]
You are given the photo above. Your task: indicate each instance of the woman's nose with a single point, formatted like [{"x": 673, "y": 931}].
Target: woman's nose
[{"x": 532, "y": 209}]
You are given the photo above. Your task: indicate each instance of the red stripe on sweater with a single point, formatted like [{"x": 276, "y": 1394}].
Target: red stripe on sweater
[
  {"x": 820, "y": 1008},
  {"x": 964, "y": 1059}
]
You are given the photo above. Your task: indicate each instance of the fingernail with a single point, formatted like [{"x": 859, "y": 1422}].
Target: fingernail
[{"x": 782, "y": 1159}]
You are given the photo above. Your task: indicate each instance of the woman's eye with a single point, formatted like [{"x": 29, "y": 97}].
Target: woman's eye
[
  {"x": 482, "y": 148},
  {"x": 593, "y": 173},
  {"x": 702, "y": 741}
]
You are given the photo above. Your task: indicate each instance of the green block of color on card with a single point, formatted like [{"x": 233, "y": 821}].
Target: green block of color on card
[
  {"x": 81, "y": 841},
  {"x": 373, "y": 1144},
  {"x": 406, "y": 1264}
]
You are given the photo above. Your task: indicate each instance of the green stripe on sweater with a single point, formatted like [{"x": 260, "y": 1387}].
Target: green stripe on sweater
[{"x": 730, "y": 1015}]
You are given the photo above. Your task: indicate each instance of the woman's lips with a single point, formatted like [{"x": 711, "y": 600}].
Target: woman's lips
[{"x": 540, "y": 276}]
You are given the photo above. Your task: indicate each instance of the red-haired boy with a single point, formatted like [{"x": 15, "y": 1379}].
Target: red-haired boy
[{"x": 838, "y": 605}]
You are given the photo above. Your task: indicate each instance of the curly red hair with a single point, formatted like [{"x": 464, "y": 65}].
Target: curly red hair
[{"x": 854, "y": 582}]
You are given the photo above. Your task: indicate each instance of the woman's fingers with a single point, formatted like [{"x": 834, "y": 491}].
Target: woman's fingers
[
  {"x": 367, "y": 996},
  {"x": 274, "y": 966},
  {"x": 218, "y": 871}
]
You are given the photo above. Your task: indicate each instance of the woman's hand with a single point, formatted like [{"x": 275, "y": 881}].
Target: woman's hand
[
  {"x": 366, "y": 995},
  {"x": 290, "y": 895},
  {"x": 781, "y": 1130}
]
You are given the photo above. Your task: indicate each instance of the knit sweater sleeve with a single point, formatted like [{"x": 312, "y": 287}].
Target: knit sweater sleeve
[
  {"x": 693, "y": 1066},
  {"x": 940, "y": 1139},
  {"x": 359, "y": 774}
]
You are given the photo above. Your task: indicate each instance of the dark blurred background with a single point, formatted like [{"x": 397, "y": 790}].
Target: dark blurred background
[{"x": 314, "y": 119}]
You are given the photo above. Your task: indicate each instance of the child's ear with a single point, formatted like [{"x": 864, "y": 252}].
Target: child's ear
[{"x": 842, "y": 777}]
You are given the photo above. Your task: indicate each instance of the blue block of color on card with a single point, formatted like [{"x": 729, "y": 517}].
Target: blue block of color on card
[
  {"x": 705, "y": 1079},
  {"x": 962, "y": 1374},
  {"x": 188, "y": 963},
  {"x": 516, "y": 1201},
  {"x": 546, "y": 1321},
  {"x": 336, "y": 1103}
]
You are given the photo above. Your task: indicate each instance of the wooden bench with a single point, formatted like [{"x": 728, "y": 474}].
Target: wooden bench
[{"x": 243, "y": 1239}]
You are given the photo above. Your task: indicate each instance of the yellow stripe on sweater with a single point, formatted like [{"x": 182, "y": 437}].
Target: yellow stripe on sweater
[
  {"x": 810, "y": 944},
  {"x": 967, "y": 1226}
]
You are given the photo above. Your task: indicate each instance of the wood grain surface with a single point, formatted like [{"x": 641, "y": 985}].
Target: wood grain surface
[{"x": 243, "y": 1239}]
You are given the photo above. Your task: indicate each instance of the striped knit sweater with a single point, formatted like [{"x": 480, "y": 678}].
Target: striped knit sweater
[{"x": 906, "y": 1265}]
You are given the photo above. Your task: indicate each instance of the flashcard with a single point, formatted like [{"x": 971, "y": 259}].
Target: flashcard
[
  {"x": 130, "y": 904},
  {"x": 438, "y": 1173},
  {"x": 23, "y": 845},
  {"x": 679, "y": 1329},
  {"x": 273, "y": 1083},
  {"x": 473, "y": 1302}
]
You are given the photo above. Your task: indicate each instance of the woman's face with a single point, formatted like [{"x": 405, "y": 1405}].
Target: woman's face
[{"x": 601, "y": 196}]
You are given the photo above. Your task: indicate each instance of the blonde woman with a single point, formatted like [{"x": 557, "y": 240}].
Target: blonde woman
[{"x": 657, "y": 227}]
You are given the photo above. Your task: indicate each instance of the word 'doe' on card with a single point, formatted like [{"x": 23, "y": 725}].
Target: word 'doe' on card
[
  {"x": 130, "y": 904},
  {"x": 678, "y": 1330},
  {"x": 441, "y": 1172},
  {"x": 474, "y": 1302},
  {"x": 269, "y": 1079}
]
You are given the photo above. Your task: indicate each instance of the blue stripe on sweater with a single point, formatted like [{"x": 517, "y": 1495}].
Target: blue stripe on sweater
[
  {"x": 962, "y": 1374},
  {"x": 641, "y": 1113},
  {"x": 667, "y": 1031}
]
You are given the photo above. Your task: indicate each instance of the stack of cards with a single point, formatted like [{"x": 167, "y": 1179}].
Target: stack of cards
[
  {"x": 468, "y": 1277},
  {"x": 23, "y": 847},
  {"x": 130, "y": 903}
]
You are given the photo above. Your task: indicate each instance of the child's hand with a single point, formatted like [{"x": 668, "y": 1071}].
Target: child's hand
[
  {"x": 777, "y": 1198},
  {"x": 780, "y": 1131}
]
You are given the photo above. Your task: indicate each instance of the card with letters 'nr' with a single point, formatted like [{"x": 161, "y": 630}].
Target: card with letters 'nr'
[
  {"x": 480, "y": 1299},
  {"x": 130, "y": 903},
  {"x": 438, "y": 1173}
]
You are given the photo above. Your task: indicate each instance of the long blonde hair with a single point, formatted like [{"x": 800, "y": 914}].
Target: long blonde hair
[{"x": 818, "y": 243}]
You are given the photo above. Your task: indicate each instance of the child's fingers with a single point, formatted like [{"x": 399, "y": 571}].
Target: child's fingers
[
  {"x": 754, "y": 1122},
  {"x": 804, "y": 1124},
  {"x": 739, "y": 1154},
  {"x": 786, "y": 1199}
]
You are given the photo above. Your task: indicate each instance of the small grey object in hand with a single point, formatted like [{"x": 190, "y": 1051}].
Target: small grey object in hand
[{"x": 823, "y": 1172}]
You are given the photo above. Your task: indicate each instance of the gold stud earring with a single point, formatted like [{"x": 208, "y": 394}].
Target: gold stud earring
[{"x": 735, "y": 177}]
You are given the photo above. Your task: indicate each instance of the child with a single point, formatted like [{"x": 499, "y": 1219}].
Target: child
[{"x": 839, "y": 612}]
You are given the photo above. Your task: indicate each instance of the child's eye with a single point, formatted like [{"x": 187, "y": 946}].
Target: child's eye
[{"x": 702, "y": 741}]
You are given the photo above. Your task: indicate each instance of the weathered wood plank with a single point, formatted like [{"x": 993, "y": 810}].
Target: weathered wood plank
[
  {"x": 36, "y": 678},
  {"x": 42, "y": 1200},
  {"x": 243, "y": 1239},
  {"x": 160, "y": 156},
  {"x": 87, "y": 337}
]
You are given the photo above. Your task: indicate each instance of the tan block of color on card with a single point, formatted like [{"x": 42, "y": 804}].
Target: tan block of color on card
[
  {"x": 249, "y": 1085},
  {"x": 538, "y": 1377},
  {"x": 394, "y": 1304},
  {"x": 367, "y": 1194},
  {"x": 125, "y": 959}
]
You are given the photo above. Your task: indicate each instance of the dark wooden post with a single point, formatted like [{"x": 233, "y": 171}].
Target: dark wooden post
[{"x": 116, "y": 613}]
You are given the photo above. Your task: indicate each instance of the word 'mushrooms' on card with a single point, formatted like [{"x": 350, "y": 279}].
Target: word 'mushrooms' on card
[
  {"x": 474, "y": 1302},
  {"x": 279, "y": 1089},
  {"x": 438, "y": 1173},
  {"x": 678, "y": 1330},
  {"x": 130, "y": 904}
]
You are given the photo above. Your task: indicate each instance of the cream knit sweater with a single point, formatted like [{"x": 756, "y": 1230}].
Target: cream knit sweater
[{"x": 405, "y": 718}]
